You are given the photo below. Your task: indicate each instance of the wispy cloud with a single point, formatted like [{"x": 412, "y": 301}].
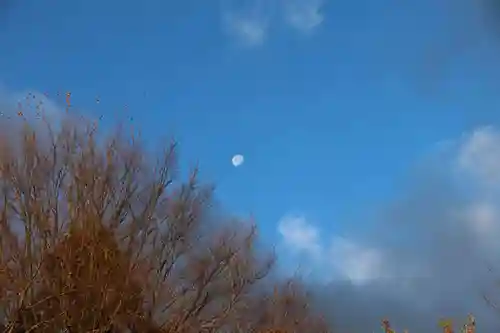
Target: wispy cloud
[
  {"x": 340, "y": 258},
  {"x": 356, "y": 262},
  {"x": 483, "y": 218},
  {"x": 480, "y": 155},
  {"x": 246, "y": 30},
  {"x": 300, "y": 235},
  {"x": 304, "y": 15},
  {"x": 250, "y": 24}
]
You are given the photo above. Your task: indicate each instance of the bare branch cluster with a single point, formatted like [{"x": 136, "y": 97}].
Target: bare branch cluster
[{"x": 96, "y": 236}]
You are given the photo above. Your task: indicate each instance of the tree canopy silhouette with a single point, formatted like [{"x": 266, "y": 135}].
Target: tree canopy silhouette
[{"x": 97, "y": 235}]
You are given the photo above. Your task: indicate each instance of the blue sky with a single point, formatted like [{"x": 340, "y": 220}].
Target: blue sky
[{"x": 331, "y": 102}]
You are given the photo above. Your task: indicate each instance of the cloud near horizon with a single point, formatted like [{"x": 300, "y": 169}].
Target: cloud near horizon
[
  {"x": 430, "y": 255},
  {"x": 250, "y": 23},
  {"x": 342, "y": 257}
]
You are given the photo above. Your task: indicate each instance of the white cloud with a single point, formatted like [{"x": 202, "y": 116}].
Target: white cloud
[
  {"x": 482, "y": 217},
  {"x": 478, "y": 158},
  {"x": 246, "y": 30},
  {"x": 304, "y": 15},
  {"x": 441, "y": 226},
  {"x": 343, "y": 257},
  {"x": 251, "y": 22},
  {"x": 479, "y": 155},
  {"x": 299, "y": 235},
  {"x": 356, "y": 262}
]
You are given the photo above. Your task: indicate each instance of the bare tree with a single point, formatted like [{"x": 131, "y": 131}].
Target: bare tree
[{"x": 97, "y": 236}]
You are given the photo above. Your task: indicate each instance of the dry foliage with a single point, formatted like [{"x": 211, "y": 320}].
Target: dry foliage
[{"x": 95, "y": 236}]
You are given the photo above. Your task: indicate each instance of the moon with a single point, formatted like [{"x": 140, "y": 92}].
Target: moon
[{"x": 237, "y": 160}]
